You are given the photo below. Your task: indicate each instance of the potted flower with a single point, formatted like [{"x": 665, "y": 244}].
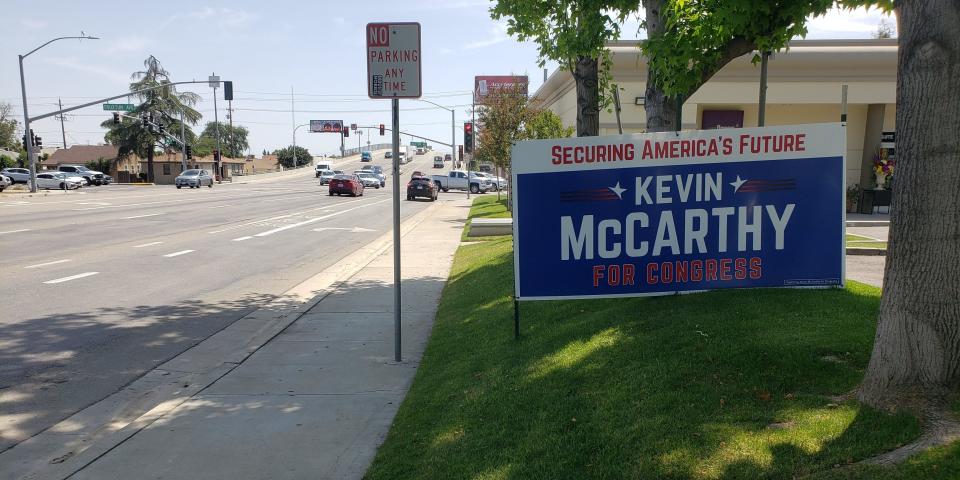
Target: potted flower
[
  {"x": 882, "y": 169},
  {"x": 853, "y": 196}
]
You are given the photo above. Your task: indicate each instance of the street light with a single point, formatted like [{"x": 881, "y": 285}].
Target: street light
[
  {"x": 26, "y": 115},
  {"x": 295, "y": 143},
  {"x": 453, "y": 138}
]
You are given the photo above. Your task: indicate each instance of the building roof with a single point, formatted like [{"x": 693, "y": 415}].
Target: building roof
[
  {"x": 852, "y": 60},
  {"x": 81, "y": 154}
]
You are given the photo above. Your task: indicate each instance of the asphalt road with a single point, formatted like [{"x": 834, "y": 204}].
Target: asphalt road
[{"x": 101, "y": 285}]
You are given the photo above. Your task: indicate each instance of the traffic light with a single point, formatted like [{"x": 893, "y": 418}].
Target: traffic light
[
  {"x": 228, "y": 90},
  {"x": 188, "y": 151},
  {"x": 116, "y": 118},
  {"x": 346, "y": 132},
  {"x": 382, "y": 129},
  {"x": 468, "y": 137},
  {"x": 216, "y": 156},
  {"x": 38, "y": 142},
  {"x": 24, "y": 138},
  {"x": 160, "y": 129}
]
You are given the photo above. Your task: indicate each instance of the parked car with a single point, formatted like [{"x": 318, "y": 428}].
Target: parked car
[
  {"x": 366, "y": 157},
  {"x": 420, "y": 186},
  {"x": 5, "y": 182},
  {"x": 17, "y": 175},
  {"x": 325, "y": 176},
  {"x": 448, "y": 158},
  {"x": 194, "y": 178},
  {"x": 107, "y": 179},
  {"x": 368, "y": 178},
  {"x": 346, "y": 183},
  {"x": 73, "y": 177},
  {"x": 92, "y": 177},
  {"x": 499, "y": 183},
  {"x": 457, "y": 180},
  {"x": 438, "y": 162},
  {"x": 56, "y": 181}
]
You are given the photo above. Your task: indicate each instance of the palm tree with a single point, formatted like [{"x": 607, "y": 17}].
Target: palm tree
[{"x": 164, "y": 103}]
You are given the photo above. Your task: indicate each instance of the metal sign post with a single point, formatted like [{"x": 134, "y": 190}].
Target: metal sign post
[{"x": 393, "y": 71}]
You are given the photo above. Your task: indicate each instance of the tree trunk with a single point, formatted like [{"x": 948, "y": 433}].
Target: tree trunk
[
  {"x": 150, "y": 164},
  {"x": 588, "y": 97},
  {"x": 916, "y": 355},
  {"x": 661, "y": 110}
]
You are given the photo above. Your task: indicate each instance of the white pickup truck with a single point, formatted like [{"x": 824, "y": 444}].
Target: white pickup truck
[{"x": 457, "y": 180}]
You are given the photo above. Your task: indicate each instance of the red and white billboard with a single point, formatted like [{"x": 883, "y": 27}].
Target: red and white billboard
[{"x": 483, "y": 85}]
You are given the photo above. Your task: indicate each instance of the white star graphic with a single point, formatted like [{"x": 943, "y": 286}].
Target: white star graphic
[
  {"x": 618, "y": 190},
  {"x": 736, "y": 184}
]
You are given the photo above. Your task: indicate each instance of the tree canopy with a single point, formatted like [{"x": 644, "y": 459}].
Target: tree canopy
[
  {"x": 285, "y": 156},
  {"x": 233, "y": 140},
  {"x": 8, "y": 128}
]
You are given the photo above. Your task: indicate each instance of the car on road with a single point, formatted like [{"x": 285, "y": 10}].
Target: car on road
[
  {"x": 194, "y": 178},
  {"x": 457, "y": 180},
  {"x": 368, "y": 178},
  {"x": 420, "y": 186},
  {"x": 17, "y": 175},
  {"x": 378, "y": 171},
  {"x": 421, "y": 150},
  {"x": 448, "y": 158},
  {"x": 92, "y": 177},
  {"x": 107, "y": 179},
  {"x": 5, "y": 182},
  {"x": 321, "y": 166},
  {"x": 366, "y": 157},
  {"x": 56, "y": 181},
  {"x": 389, "y": 154},
  {"x": 325, "y": 176},
  {"x": 438, "y": 162},
  {"x": 346, "y": 183}
]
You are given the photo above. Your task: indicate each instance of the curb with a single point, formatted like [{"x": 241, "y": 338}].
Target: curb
[
  {"x": 868, "y": 223},
  {"x": 866, "y": 251},
  {"x": 54, "y": 453}
]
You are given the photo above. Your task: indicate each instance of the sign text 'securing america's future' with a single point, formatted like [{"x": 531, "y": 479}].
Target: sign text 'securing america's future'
[{"x": 652, "y": 214}]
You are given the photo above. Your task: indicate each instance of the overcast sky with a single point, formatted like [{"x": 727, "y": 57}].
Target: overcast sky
[{"x": 316, "y": 48}]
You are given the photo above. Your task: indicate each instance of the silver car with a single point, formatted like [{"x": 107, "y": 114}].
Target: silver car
[
  {"x": 194, "y": 178},
  {"x": 71, "y": 177},
  {"x": 5, "y": 182},
  {"x": 325, "y": 176},
  {"x": 368, "y": 178},
  {"x": 56, "y": 181},
  {"x": 17, "y": 175}
]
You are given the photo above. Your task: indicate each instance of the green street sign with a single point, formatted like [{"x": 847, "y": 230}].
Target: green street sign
[
  {"x": 118, "y": 107},
  {"x": 419, "y": 144}
]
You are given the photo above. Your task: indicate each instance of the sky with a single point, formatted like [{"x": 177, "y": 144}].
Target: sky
[{"x": 314, "y": 48}]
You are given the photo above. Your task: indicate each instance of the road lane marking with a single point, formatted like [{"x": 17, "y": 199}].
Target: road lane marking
[
  {"x": 16, "y": 231},
  {"x": 177, "y": 254},
  {"x": 147, "y": 244},
  {"x": 279, "y": 217},
  {"x": 312, "y": 220},
  {"x": 242, "y": 239},
  {"x": 345, "y": 229},
  {"x": 71, "y": 277},
  {"x": 48, "y": 263},
  {"x": 143, "y": 216}
]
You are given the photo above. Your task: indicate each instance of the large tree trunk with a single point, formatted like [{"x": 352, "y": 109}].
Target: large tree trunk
[
  {"x": 588, "y": 97},
  {"x": 916, "y": 354},
  {"x": 661, "y": 110},
  {"x": 150, "y": 164}
]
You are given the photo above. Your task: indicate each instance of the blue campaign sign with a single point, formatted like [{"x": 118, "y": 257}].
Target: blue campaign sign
[{"x": 654, "y": 214}]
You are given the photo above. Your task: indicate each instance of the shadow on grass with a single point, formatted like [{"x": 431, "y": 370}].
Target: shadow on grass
[{"x": 730, "y": 384}]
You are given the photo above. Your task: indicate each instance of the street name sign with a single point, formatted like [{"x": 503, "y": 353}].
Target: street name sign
[
  {"x": 661, "y": 213},
  {"x": 393, "y": 60},
  {"x": 118, "y": 107}
]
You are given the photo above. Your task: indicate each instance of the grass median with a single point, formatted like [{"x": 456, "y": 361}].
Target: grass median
[
  {"x": 732, "y": 384},
  {"x": 487, "y": 206}
]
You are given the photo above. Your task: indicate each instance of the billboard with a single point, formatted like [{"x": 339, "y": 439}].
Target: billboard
[
  {"x": 484, "y": 84},
  {"x": 335, "y": 126},
  {"x": 653, "y": 214}
]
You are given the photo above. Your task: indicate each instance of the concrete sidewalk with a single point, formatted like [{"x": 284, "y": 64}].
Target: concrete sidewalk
[{"x": 315, "y": 401}]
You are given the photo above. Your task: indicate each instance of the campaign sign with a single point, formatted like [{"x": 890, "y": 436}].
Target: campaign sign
[{"x": 653, "y": 214}]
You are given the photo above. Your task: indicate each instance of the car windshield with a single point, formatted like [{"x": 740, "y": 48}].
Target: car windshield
[
  {"x": 326, "y": 172},
  {"x": 191, "y": 172},
  {"x": 365, "y": 175},
  {"x": 343, "y": 177},
  {"x": 338, "y": 172},
  {"x": 420, "y": 179}
]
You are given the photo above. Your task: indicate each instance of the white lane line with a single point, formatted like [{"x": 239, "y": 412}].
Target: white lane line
[
  {"x": 221, "y": 206},
  {"x": 312, "y": 220},
  {"x": 143, "y": 216},
  {"x": 16, "y": 231},
  {"x": 147, "y": 244},
  {"x": 177, "y": 254},
  {"x": 71, "y": 277},
  {"x": 278, "y": 217},
  {"x": 240, "y": 239},
  {"x": 48, "y": 263}
]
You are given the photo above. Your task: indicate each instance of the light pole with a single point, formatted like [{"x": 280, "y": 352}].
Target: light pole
[
  {"x": 295, "y": 143},
  {"x": 26, "y": 116},
  {"x": 453, "y": 138}
]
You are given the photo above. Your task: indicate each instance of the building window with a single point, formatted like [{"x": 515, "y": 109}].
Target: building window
[{"x": 166, "y": 169}]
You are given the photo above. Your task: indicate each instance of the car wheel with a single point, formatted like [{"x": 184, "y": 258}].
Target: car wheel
[
  {"x": 474, "y": 188},
  {"x": 211, "y": 184},
  {"x": 179, "y": 187},
  {"x": 330, "y": 193}
]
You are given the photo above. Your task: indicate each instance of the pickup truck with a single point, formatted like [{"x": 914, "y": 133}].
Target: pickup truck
[
  {"x": 92, "y": 177},
  {"x": 457, "y": 180}
]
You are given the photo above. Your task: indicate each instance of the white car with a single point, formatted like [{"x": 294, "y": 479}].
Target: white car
[
  {"x": 72, "y": 177},
  {"x": 368, "y": 178},
  {"x": 56, "y": 181},
  {"x": 499, "y": 183},
  {"x": 5, "y": 182}
]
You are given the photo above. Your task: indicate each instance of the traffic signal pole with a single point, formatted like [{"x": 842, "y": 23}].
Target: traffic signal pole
[{"x": 26, "y": 131}]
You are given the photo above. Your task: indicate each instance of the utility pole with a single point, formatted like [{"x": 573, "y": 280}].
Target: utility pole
[
  {"x": 62, "y": 131},
  {"x": 215, "y": 83}
]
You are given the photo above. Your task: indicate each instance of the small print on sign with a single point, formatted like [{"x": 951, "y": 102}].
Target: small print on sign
[{"x": 393, "y": 60}]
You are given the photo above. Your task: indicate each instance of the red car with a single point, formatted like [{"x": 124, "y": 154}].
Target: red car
[{"x": 346, "y": 183}]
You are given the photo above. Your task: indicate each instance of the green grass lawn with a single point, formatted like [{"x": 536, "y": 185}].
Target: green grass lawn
[
  {"x": 732, "y": 384},
  {"x": 487, "y": 206},
  {"x": 863, "y": 242}
]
